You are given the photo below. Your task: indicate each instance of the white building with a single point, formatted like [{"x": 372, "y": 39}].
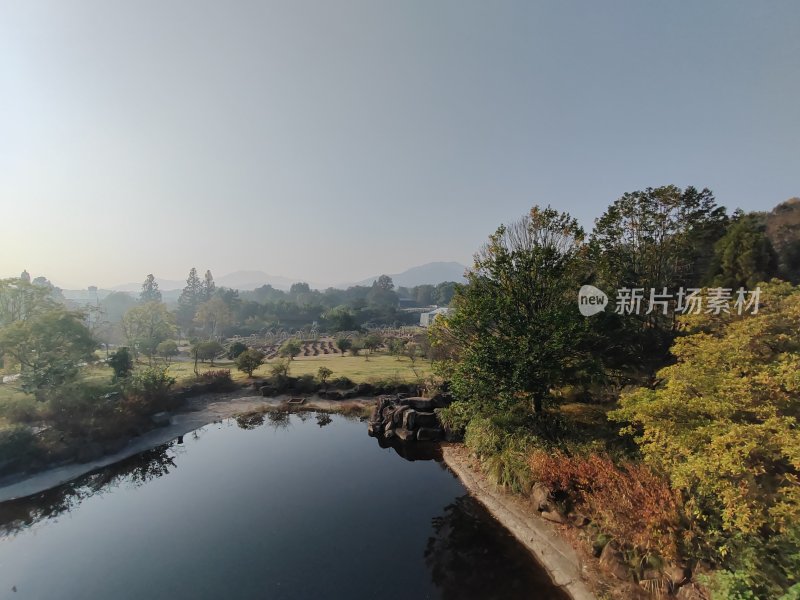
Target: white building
[{"x": 428, "y": 318}]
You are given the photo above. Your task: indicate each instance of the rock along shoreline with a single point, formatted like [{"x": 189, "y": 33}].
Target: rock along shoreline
[{"x": 540, "y": 537}]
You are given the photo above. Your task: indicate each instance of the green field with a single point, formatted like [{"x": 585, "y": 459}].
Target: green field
[{"x": 357, "y": 368}]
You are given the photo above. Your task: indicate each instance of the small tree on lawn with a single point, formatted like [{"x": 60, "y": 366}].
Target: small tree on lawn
[
  {"x": 344, "y": 344},
  {"x": 324, "y": 373},
  {"x": 249, "y": 360},
  {"x": 208, "y": 351},
  {"x": 397, "y": 346},
  {"x": 121, "y": 362},
  {"x": 167, "y": 349},
  {"x": 371, "y": 343},
  {"x": 290, "y": 349}
]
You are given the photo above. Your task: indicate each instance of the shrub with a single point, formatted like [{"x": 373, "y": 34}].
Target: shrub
[
  {"x": 148, "y": 390},
  {"x": 78, "y": 408},
  {"x": 342, "y": 383},
  {"x": 455, "y": 418},
  {"x": 17, "y": 443},
  {"x": 483, "y": 437},
  {"x": 217, "y": 381},
  {"x": 630, "y": 502},
  {"x": 306, "y": 384},
  {"x": 20, "y": 410}
]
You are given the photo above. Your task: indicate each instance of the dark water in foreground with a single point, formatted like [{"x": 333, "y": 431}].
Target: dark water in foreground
[{"x": 300, "y": 507}]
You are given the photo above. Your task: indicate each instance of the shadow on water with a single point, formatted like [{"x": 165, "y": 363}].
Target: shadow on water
[
  {"x": 471, "y": 556},
  {"x": 17, "y": 515},
  {"x": 413, "y": 451}
]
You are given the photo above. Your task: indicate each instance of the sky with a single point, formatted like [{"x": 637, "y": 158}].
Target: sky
[{"x": 331, "y": 141}]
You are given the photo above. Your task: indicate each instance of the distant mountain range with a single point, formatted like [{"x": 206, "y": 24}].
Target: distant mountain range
[{"x": 430, "y": 273}]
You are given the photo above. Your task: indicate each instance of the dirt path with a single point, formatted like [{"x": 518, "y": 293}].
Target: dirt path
[
  {"x": 540, "y": 537},
  {"x": 198, "y": 412}
]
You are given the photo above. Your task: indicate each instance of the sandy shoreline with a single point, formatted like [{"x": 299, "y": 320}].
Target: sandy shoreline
[
  {"x": 199, "y": 411},
  {"x": 540, "y": 537}
]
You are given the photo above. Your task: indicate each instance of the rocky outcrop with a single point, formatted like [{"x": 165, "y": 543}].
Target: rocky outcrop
[{"x": 407, "y": 419}]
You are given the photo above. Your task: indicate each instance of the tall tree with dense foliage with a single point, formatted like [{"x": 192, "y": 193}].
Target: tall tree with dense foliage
[
  {"x": 659, "y": 237},
  {"x": 744, "y": 256},
  {"x": 209, "y": 287},
  {"x": 150, "y": 291},
  {"x": 48, "y": 347},
  {"x": 189, "y": 300},
  {"x": 515, "y": 323}
]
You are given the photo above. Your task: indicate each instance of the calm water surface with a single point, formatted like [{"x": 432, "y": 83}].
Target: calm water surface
[{"x": 300, "y": 506}]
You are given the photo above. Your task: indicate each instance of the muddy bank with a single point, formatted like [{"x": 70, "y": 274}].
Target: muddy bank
[
  {"x": 198, "y": 412},
  {"x": 540, "y": 537}
]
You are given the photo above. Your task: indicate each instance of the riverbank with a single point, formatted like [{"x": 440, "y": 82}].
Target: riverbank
[
  {"x": 198, "y": 412},
  {"x": 540, "y": 537}
]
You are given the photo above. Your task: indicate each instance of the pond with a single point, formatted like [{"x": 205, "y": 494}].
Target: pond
[{"x": 297, "y": 506}]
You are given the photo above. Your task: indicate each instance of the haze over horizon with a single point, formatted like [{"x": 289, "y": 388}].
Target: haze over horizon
[{"x": 337, "y": 141}]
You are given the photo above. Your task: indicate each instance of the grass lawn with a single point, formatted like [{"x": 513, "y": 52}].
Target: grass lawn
[{"x": 357, "y": 368}]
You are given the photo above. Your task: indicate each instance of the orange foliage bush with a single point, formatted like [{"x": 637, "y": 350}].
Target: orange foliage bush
[{"x": 628, "y": 502}]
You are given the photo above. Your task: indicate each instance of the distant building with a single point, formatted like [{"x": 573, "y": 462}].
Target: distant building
[{"x": 427, "y": 318}]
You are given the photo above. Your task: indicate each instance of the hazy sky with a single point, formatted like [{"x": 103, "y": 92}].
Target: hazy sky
[{"x": 334, "y": 140}]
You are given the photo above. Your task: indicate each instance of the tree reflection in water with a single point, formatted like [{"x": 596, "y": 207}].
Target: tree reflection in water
[
  {"x": 16, "y": 515},
  {"x": 471, "y": 556}
]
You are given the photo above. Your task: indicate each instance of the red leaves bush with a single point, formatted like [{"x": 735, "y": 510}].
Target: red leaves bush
[{"x": 629, "y": 501}]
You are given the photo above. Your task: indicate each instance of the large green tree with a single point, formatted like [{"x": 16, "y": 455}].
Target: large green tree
[
  {"x": 48, "y": 347},
  {"x": 515, "y": 326}
]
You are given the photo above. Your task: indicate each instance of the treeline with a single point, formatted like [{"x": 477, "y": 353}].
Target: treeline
[
  {"x": 665, "y": 426},
  {"x": 204, "y": 310}
]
